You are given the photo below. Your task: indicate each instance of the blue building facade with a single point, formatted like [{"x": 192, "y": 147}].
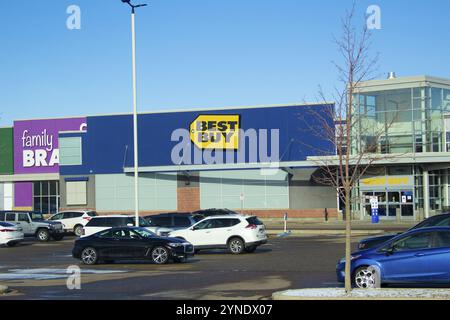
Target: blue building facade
[{"x": 252, "y": 159}]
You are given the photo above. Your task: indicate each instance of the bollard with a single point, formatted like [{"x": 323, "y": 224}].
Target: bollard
[{"x": 285, "y": 233}]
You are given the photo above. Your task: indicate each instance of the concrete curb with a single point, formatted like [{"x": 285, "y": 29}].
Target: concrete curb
[
  {"x": 4, "y": 289},
  {"x": 282, "y": 295},
  {"x": 324, "y": 232}
]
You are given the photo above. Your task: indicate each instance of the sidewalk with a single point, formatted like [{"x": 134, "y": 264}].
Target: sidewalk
[
  {"x": 363, "y": 294},
  {"x": 297, "y": 227}
]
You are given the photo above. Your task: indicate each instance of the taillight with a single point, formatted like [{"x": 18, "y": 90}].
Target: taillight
[
  {"x": 7, "y": 230},
  {"x": 87, "y": 218},
  {"x": 251, "y": 226}
]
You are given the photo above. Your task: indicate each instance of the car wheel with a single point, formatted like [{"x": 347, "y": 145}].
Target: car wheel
[
  {"x": 236, "y": 245},
  {"x": 250, "y": 249},
  {"x": 43, "y": 235},
  {"x": 78, "y": 230},
  {"x": 365, "y": 277},
  {"x": 89, "y": 256},
  {"x": 160, "y": 255}
]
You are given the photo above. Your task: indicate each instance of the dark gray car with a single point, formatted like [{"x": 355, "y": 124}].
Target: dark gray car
[
  {"x": 166, "y": 222},
  {"x": 441, "y": 220}
]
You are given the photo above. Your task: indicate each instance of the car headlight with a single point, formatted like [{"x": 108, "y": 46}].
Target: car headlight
[
  {"x": 351, "y": 258},
  {"x": 175, "y": 244}
]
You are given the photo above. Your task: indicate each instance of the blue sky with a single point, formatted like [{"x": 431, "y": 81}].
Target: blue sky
[{"x": 197, "y": 53}]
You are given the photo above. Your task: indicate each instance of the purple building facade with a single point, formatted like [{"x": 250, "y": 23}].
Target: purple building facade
[{"x": 36, "y": 162}]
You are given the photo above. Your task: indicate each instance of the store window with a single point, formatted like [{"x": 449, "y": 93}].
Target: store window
[
  {"x": 436, "y": 99},
  {"x": 46, "y": 196},
  {"x": 399, "y": 171},
  {"x": 70, "y": 151},
  {"x": 76, "y": 193},
  {"x": 447, "y": 133}
]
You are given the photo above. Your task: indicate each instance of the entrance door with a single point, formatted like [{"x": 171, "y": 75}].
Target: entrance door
[
  {"x": 383, "y": 208},
  {"x": 393, "y": 202},
  {"x": 390, "y": 202},
  {"x": 407, "y": 201},
  {"x": 402, "y": 201}
]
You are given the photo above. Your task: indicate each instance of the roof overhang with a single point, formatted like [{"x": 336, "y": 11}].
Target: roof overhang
[
  {"x": 386, "y": 159},
  {"x": 225, "y": 166}
]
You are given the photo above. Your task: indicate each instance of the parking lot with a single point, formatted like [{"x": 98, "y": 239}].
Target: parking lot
[{"x": 38, "y": 271}]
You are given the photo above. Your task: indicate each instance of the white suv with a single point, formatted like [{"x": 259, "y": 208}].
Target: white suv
[
  {"x": 238, "y": 233},
  {"x": 101, "y": 223},
  {"x": 74, "y": 221}
]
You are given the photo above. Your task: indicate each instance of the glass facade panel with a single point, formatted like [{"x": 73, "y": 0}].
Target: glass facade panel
[
  {"x": 401, "y": 121},
  {"x": 222, "y": 189},
  {"x": 46, "y": 196},
  {"x": 114, "y": 192}
]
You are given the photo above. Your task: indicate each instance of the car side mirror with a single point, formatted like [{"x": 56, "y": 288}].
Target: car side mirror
[{"x": 390, "y": 251}]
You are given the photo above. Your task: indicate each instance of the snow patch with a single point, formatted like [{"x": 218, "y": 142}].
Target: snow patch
[
  {"x": 48, "y": 273},
  {"x": 367, "y": 293}
]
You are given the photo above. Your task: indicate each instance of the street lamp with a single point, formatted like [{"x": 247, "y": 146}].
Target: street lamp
[{"x": 135, "y": 131}]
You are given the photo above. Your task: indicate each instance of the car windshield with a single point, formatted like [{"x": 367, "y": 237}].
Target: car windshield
[
  {"x": 198, "y": 218},
  {"x": 36, "y": 216},
  {"x": 144, "y": 233},
  {"x": 131, "y": 221},
  {"x": 143, "y": 222}
]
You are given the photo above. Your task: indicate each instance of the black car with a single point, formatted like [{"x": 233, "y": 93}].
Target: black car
[
  {"x": 441, "y": 220},
  {"x": 213, "y": 212},
  {"x": 130, "y": 243}
]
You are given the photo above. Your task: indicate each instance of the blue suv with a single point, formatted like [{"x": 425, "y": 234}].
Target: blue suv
[{"x": 420, "y": 256}]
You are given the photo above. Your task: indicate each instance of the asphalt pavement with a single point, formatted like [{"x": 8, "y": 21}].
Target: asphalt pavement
[{"x": 39, "y": 271}]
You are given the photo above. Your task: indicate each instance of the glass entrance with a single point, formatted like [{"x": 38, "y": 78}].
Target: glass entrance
[
  {"x": 390, "y": 203},
  {"x": 383, "y": 208}
]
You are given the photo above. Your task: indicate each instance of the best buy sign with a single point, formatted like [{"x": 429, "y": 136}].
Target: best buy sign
[{"x": 216, "y": 131}]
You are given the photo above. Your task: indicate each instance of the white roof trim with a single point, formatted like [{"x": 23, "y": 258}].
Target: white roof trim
[{"x": 29, "y": 177}]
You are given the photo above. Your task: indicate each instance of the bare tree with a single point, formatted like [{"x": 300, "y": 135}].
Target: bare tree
[{"x": 356, "y": 139}]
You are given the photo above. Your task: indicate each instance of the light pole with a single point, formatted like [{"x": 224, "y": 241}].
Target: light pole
[{"x": 135, "y": 131}]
